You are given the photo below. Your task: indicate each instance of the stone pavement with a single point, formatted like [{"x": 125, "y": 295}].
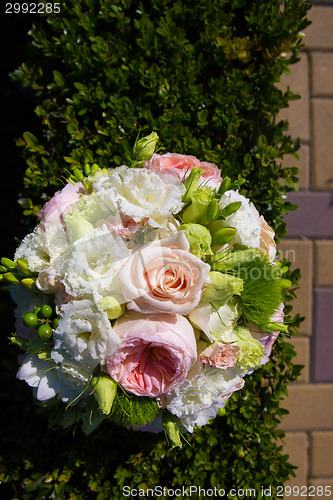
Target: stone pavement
[{"x": 309, "y": 241}]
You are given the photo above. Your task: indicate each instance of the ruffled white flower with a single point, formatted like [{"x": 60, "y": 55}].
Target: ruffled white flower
[
  {"x": 196, "y": 401},
  {"x": 91, "y": 264},
  {"x": 84, "y": 335},
  {"x": 140, "y": 193},
  {"x": 41, "y": 247},
  {"x": 68, "y": 381},
  {"x": 216, "y": 321},
  {"x": 245, "y": 220}
]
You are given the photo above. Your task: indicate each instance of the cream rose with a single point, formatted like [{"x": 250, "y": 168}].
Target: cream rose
[
  {"x": 164, "y": 277},
  {"x": 155, "y": 354}
]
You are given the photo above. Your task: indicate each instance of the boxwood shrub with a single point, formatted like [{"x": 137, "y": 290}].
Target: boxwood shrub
[{"x": 204, "y": 75}]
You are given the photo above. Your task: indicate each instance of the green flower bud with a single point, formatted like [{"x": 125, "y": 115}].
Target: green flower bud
[
  {"x": 192, "y": 183},
  {"x": 203, "y": 209},
  {"x": 199, "y": 239},
  {"x": 222, "y": 287},
  {"x": 113, "y": 307},
  {"x": 29, "y": 283},
  {"x": 274, "y": 326},
  {"x": 227, "y": 261},
  {"x": 225, "y": 185},
  {"x": 76, "y": 225},
  {"x": 231, "y": 208},
  {"x": 285, "y": 283},
  {"x": 22, "y": 264},
  {"x": 171, "y": 428},
  {"x": 212, "y": 212},
  {"x": 144, "y": 148},
  {"x": 104, "y": 391},
  {"x": 11, "y": 278},
  {"x": 223, "y": 235},
  {"x": 9, "y": 264}
]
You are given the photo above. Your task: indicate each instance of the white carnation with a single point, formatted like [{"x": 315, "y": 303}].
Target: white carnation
[
  {"x": 91, "y": 264},
  {"x": 68, "y": 382},
  {"x": 140, "y": 193},
  {"x": 245, "y": 220},
  {"x": 42, "y": 247},
  {"x": 83, "y": 334},
  {"x": 196, "y": 401}
]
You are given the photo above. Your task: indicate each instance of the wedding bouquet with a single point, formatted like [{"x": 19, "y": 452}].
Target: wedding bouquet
[{"x": 145, "y": 295}]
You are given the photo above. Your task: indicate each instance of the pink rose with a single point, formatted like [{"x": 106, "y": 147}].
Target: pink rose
[
  {"x": 55, "y": 210},
  {"x": 220, "y": 355},
  {"x": 155, "y": 354},
  {"x": 180, "y": 166},
  {"x": 267, "y": 243},
  {"x": 164, "y": 277}
]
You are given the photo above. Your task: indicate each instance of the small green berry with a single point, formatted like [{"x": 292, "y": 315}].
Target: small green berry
[
  {"x": 37, "y": 311},
  {"x": 46, "y": 311},
  {"x": 44, "y": 331},
  {"x": 55, "y": 323},
  {"x": 30, "y": 320}
]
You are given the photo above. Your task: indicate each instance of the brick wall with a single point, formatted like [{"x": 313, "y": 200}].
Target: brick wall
[{"x": 309, "y": 243}]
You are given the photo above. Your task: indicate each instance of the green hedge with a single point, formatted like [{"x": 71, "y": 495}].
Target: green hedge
[{"x": 204, "y": 76}]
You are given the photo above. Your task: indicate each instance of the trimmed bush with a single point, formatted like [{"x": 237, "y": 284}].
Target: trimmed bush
[{"x": 204, "y": 76}]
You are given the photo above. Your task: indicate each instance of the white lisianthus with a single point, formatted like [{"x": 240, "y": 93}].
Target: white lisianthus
[
  {"x": 41, "y": 247},
  {"x": 140, "y": 193},
  {"x": 84, "y": 335},
  {"x": 216, "y": 320},
  {"x": 91, "y": 264},
  {"x": 196, "y": 401},
  {"x": 245, "y": 220},
  {"x": 67, "y": 381}
]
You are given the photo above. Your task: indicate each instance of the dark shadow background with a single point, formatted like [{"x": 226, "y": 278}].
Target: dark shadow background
[{"x": 17, "y": 115}]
